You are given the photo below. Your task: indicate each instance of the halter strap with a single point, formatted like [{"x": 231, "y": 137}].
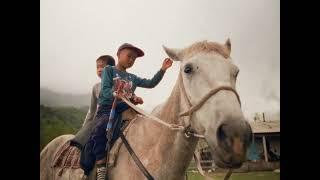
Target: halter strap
[
  {"x": 188, "y": 130},
  {"x": 204, "y": 98}
]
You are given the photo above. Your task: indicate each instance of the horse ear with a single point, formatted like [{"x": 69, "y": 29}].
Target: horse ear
[
  {"x": 172, "y": 53},
  {"x": 227, "y": 44}
]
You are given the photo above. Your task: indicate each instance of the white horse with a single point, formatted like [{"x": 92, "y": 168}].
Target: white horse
[{"x": 203, "y": 98}]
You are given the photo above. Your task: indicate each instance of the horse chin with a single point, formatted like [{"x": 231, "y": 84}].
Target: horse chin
[
  {"x": 221, "y": 163},
  {"x": 224, "y": 159}
]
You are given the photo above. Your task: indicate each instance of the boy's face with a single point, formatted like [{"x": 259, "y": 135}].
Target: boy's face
[
  {"x": 127, "y": 57},
  {"x": 100, "y": 65}
]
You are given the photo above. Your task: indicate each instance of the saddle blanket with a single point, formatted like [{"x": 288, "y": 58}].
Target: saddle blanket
[{"x": 67, "y": 157}]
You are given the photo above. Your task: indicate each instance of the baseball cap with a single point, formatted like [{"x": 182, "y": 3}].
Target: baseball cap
[{"x": 130, "y": 46}]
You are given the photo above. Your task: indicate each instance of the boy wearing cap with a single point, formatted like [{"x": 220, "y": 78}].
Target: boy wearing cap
[{"x": 127, "y": 55}]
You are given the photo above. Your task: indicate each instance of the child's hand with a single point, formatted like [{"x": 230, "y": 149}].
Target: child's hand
[
  {"x": 137, "y": 100},
  {"x": 166, "y": 64}
]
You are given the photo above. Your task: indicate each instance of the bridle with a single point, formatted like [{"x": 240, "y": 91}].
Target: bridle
[
  {"x": 189, "y": 131},
  {"x": 193, "y": 108}
]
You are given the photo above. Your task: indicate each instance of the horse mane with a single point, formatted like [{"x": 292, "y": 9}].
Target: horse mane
[{"x": 205, "y": 46}]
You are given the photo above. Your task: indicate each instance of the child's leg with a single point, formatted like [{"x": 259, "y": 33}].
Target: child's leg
[
  {"x": 99, "y": 148},
  {"x": 121, "y": 107},
  {"x": 100, "y": 140}
]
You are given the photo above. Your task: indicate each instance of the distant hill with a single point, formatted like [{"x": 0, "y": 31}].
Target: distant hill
[
  {"x": 51, "y": 98},
  {"x": 56, "y": 121}
]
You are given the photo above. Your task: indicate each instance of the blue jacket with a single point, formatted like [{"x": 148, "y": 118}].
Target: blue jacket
[{"x": 110, "y": 72}]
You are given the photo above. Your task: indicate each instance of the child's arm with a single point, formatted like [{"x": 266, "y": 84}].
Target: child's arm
[
  {"x": 93, "y": 105},
  {"x": 151, "y": 83}
]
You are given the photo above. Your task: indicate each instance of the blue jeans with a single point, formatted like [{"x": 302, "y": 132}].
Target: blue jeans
[
  {"x": 95, "y": 148},
  {"x": 98, "y": 136}
]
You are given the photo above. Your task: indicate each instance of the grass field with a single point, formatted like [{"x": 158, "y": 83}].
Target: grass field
[{"x": 266, "y": 175}]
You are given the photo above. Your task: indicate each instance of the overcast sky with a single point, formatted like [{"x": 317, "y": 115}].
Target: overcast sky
[{"x": 75, "y": 32}]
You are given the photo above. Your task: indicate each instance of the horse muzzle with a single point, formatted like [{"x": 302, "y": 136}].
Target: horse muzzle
[{"x": 230, "y": 145}]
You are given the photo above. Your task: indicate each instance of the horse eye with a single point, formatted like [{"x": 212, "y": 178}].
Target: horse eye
[{"x": 188, "y": 69}]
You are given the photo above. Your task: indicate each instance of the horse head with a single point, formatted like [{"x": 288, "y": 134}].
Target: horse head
[{"x": 208, "y": 81}]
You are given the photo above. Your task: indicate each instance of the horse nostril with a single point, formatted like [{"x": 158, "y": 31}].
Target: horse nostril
[{"x": 221, "y": 134}]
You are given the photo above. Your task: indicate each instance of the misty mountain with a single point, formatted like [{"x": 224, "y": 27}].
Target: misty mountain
[{"x": 51, "y": 98}]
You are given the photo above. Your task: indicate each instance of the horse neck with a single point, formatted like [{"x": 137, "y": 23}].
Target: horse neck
[{"x": 177, "y": 150}]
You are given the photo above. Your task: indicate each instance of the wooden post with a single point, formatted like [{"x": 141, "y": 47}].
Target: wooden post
[{"x": 265, "y": 148}]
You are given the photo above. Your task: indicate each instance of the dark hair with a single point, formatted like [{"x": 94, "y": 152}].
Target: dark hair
[{"x": 109, "y": 60}]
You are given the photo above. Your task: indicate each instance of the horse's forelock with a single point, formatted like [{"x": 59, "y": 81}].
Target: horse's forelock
[{"x": 205, "y": 46}]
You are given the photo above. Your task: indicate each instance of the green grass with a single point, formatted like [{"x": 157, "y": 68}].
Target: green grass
[{"x": 265, "y": 175}]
